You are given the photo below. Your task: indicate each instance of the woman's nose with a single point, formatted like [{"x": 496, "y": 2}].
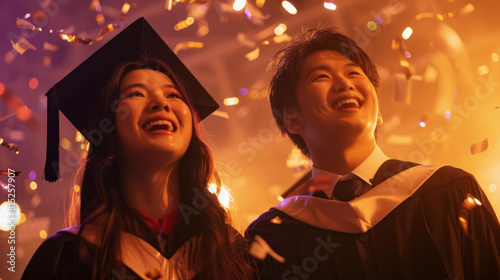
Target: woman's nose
[{"x": 159, "y": 102}]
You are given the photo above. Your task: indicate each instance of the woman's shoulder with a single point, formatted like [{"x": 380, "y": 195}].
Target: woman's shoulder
[{"x": 56, "y": 256}]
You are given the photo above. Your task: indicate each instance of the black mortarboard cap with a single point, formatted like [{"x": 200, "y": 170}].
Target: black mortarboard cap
[{"x": 76, "y": 95}]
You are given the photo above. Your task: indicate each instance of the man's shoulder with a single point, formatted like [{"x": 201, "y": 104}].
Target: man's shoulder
[{"x": 274, "y": 222}]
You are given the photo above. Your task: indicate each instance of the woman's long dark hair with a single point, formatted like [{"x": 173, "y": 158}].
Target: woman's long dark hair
[{"x": 103, "y": 203}]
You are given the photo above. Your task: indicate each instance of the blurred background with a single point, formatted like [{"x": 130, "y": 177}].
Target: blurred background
[{"x": 440, "y": 94}]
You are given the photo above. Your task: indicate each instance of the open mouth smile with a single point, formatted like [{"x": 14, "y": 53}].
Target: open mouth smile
[{"x": 160, "y": 125}]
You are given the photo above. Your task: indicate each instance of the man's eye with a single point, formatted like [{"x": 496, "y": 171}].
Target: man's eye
[{"x": 322, "y": 76}]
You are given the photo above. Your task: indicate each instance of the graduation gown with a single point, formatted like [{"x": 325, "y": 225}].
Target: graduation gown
[
  {"x": 421, "y": 238},
  {"x": 58, "y": 257}
]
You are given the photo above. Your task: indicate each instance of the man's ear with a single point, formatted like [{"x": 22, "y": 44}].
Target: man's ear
[
  {"x": 292, "y": 121},
  {"x": 380, "y": 120}
]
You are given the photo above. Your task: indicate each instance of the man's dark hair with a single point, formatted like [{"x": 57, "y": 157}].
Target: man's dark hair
[{"x": 288, "y": 62}]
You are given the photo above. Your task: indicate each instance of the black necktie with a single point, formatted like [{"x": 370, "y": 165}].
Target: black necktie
[{"x": 346, "y": 190}]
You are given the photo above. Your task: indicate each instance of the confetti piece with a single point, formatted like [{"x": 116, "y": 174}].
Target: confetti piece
[
  {"x": 184, "y": 24},
  {"x": 49, "y": 47},
  {"x": 276, "y": 220},
  {"x": 221, "y": 114},
  {"x": 242, "y": 38},
  {"x": 24, "y": 24},
  {"x": 479, "y": 147},
  {"x": 281, "y": 38},
  {"x": 402, "y": 93},
  {"x": 12, "y": 147},
  {"x": 100, "y": 19},
  {"x": 187, "y": 45},
  {"x": 399, "y": 45},
  {"x": 39, "y": 15},
  {"x": 108, "y": 28},
  {"x": 22, "y": 46},
  {"x": 467, "y": 9},
  {"x": 468, "y": 205},
  {"x": 253, "y": 55},
  {"x": 260, "y": 249},
  {"x": 254, "y": 15},
  {"x": 74, "y": 39}
]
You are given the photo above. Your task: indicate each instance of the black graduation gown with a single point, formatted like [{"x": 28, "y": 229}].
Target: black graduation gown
[
  {"x": 420, "y": 239},
  {"x": 58, "y": 257}
]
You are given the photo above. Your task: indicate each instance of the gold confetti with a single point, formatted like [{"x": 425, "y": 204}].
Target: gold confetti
[
  {"x": 399, "y": 45},
  {"x": 74, "y": 39},
  {"x": 125, "y": 8},
  {"x": 281, "y": 38},
  {"x": 253, "y": 55},
  {"x": 187, "y": 45},
  {"x": 108, "y": 28},
  {"x": 100, "y": 19},
  {"x": 467, "y": 206},
  {"x": 49, "y": 47},
  {"x": 24, "y": 24},
  {"x": 479, "y": 147},
  {"x": 260, "y": 249},
  {"x": 22, "y": 46},
  {"x": 467, "y": 9},
  {"x": 276, "y": 220},
  {"x": 184, "y": 24},
  {"x": 95, "y": 5}
]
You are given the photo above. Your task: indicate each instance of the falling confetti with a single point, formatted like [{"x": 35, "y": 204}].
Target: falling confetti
[
  {"x": 22, "y": 46},
  {"x": 260, "y": 249},
  {"x": 467, "y": 9},
  {"x": 400, "y": 46},
  {"x": 276, "y": 220},
  {"x": 479, "y": 147},
  {"x": 187, "y": 45}
]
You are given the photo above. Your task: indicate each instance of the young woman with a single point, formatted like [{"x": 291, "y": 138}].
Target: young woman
[{"x": 145, "y": 209}]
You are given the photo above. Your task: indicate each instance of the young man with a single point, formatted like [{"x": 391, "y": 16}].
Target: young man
[{"x": 370, "y": 217}]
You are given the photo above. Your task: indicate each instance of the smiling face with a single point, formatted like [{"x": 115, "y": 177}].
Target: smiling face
[
  {"x": 337, "y": 103},
  {"x": 153, "y": 120}
]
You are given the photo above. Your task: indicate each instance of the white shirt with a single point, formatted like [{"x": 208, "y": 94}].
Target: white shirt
[{"x": 366, "y": 171}]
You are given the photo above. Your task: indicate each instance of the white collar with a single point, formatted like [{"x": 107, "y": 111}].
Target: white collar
[
  {"x": 366, "y": 170},
  {"x": 361, "y": 213}
]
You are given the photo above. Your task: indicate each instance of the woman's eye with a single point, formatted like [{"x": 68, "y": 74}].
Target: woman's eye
[
  {"x": 174, "y": 95},
  {"x": 134, "y": 94},
  {"x": 354, "y": 73}
]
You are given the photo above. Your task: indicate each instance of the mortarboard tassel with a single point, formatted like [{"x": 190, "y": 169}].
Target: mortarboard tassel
[{"x": 52, "y": 157}]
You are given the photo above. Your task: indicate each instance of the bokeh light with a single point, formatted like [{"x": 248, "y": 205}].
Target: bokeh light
[
  {"x": 231, "y": 101},
  {"x": 32, "y": 175},
  {"x": 243, "y": 91},
  {"x": 33, "y": 83},
  {"x": 65, "y": 144},
  {"x": 239, "y": 5},
  {"x": 10, "y": 214},
  {"x": 329, "y": 5},
  {"x": 289, "y": 7},
  {"x": 407, "y": 33},
  {"x": 372, "y": 25}
]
